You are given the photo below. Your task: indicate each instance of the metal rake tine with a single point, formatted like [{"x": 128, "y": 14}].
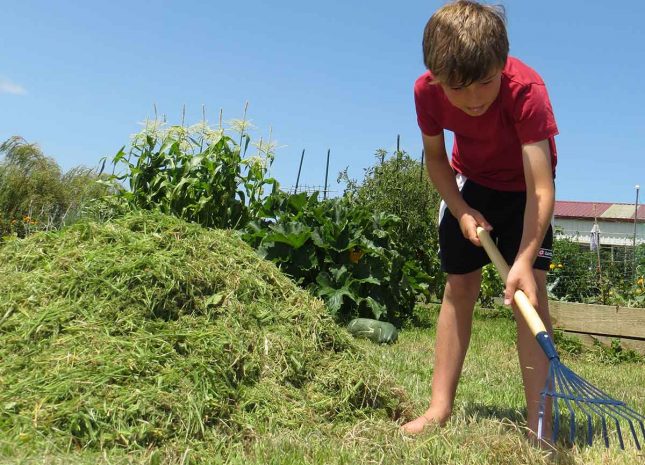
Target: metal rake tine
[
  {"x": 613, "y": 409},
  {"x": 556, "y": 423},
  {"x": 572, "y": 380},
  {"x": 576, "y": 388},
  {"x": 635, "y": 436},
  {"x": 570, "y": 383},
  {"x": 632, "y": 416},
  {"x": 638, "y": 443},
  {"x": 546, "y": 392},
  {"x": 541, "y": 409},
  {"x": 616, "y": 410},
  {"x": 587, "y": 410},
  {"x": 620, "y": 435},
  {"x": 589, "y": 431},
  {"x": 597, "y": 408},
  {"x": 570, "y": 389},
  {"x": 618, "y": 407},
  {"x": 572, "y": 416},
  {"x": 593, "y": 391},
  {"x": 549, "y": 390},
  {"x": 605, "y": 435},
  {"x": 597, "y": 394}
]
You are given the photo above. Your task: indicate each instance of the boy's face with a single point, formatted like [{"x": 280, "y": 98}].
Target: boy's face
[{"x": 477, "y": 97}]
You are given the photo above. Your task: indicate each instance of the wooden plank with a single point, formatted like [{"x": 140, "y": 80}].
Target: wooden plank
[
  {"x": 637, "y": 345},
  {"x": 598, "y": 319}
]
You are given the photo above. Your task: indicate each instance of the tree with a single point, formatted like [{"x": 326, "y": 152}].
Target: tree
[{"x": 35, "y": 193}]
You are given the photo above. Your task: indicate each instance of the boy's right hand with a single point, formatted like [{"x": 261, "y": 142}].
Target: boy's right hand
[{"x": 469, "y": 219}]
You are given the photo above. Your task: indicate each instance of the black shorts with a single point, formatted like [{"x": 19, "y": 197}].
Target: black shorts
[{"x": 505, "y": 212}]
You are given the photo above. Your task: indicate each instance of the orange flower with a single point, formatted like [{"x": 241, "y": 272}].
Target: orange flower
[{"x": 355, "y": 255}]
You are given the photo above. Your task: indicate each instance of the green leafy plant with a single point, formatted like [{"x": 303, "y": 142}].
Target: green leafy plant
[
  {"x": 615, "y": 353},
  {"x": 567, "y": 344},
  {"x": 573, "y": 275},
  {"x": 341, "y": 251},
  {"x": 491, "y": 287},
  {"x": 196, "y": 173},
  {"x": 580, "y": 275},
  {"x": 398, "y": 185}
]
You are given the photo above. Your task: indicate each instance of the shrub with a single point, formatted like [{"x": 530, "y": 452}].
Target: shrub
[{"x": 398, "y": 185}]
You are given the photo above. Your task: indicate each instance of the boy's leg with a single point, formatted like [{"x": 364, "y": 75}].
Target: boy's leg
[
  {"x": 452, "y": 338},
  {"x": 533, "y": 362}
]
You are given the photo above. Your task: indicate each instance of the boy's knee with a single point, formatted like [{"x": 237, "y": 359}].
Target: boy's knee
[
  {"x": 467, "y": 279},
  {"x": 464, "y": 284}
]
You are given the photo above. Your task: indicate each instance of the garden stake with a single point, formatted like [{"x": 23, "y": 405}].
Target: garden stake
[{"x": 562, "y": 384}]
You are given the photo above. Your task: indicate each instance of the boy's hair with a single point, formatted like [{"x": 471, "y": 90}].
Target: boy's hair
[{"x": 464, "y": 41}]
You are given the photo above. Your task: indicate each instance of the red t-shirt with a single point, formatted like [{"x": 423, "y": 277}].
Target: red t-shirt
[{"x": 488, "y": 148}]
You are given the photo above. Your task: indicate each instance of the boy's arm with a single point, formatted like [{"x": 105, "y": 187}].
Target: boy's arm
[
  {"x": 540, "y": 199},
  {"x": 443, "y": 178}
]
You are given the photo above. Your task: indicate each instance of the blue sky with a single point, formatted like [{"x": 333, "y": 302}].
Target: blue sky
[{"x": 77, "y": 78}]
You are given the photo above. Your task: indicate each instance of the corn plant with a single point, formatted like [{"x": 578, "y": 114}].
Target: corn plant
[{"x": 196, "y": 173}]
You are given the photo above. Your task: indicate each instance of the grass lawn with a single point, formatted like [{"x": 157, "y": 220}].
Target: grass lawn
[{"x": 486, "y": 428}]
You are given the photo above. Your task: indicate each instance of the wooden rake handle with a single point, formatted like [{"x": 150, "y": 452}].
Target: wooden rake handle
[{"x": 521, "y": 300}]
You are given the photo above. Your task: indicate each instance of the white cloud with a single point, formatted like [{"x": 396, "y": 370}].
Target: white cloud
[{"x": 8, "y": 87}]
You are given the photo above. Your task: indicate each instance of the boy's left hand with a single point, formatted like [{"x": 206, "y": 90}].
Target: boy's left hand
[{"x": 520, "y": 276}]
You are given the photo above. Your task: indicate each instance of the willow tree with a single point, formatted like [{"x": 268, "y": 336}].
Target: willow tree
[{"x": 35, "y": 193}]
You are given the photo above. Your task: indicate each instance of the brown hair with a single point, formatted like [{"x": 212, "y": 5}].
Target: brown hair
[{"x": 464, "y": 41}]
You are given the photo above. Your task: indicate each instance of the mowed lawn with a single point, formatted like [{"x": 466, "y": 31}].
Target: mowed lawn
[{"x": 486, "y": 428}]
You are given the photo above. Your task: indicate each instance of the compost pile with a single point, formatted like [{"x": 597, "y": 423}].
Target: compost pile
[{"x": 148, "y": 329}]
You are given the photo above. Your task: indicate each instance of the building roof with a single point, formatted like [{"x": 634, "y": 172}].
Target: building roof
[{"x": 601, "y": 210}]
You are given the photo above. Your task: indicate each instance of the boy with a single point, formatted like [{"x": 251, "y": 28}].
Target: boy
[{"x": 500, "y": 177}]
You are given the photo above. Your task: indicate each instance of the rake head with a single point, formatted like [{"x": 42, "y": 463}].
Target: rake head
[{"x": 593, "y": 406}]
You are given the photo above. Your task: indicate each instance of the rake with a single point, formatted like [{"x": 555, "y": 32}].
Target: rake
[{"x": 562, "y": 385}]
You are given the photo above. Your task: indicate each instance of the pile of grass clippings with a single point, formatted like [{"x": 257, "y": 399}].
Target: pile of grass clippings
[{"x": 148, "y": 330}]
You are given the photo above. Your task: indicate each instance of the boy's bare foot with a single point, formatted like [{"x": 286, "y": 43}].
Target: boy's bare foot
[{"x": 427, "y": 420}]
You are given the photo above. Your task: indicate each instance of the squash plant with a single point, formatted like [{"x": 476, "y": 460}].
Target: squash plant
[
  {"x": 399, "y": 185},
  {"x": 340, "y": 251}
]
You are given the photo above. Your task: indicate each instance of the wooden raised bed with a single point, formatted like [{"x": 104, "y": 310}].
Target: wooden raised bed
[{"x": 601, "y": 322}]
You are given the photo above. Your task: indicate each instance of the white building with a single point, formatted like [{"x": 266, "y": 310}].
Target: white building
[{"x": 574, "y": 220}]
